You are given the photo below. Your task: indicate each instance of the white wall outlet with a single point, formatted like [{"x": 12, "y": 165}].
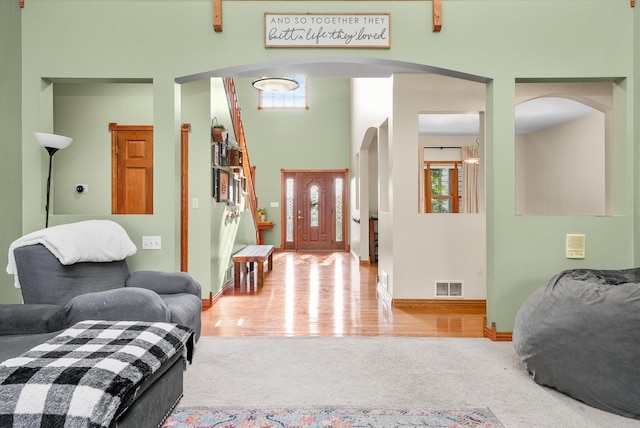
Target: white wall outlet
[
  {"x": 151, "y": 243},
  {"x": 81, "y": 188},
  {"x": 275, "y": 204}
]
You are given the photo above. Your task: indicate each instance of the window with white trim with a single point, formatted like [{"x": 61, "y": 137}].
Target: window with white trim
[{"x": 296, "y": 99}]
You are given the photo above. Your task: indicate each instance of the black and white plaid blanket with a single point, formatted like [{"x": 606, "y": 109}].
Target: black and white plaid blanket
[{"x": 81, "y": 377}]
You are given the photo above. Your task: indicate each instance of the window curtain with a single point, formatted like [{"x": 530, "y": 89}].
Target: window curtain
[{"x": 470, "y": 179}]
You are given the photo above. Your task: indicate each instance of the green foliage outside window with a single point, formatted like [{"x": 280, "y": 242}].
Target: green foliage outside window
[{"x": 439, "y": 187}]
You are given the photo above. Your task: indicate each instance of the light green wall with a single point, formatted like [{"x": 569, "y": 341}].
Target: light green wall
[
  {"x": 501, "y": 40},
  {"x": 213, "y": 236},
  {"x": 196, "y": 111},
  {"x": 10, "y": 138},
  {"x": 317, "y": 138},
  {"x": 84, "y": 111},
  {"x": 525, "y": 251}
]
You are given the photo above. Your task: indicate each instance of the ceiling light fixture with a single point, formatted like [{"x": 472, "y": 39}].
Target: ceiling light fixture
[{"x": 275, "y": 84}]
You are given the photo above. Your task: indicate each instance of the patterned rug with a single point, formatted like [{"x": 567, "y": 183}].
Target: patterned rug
[{"x": 201, "y": 417}]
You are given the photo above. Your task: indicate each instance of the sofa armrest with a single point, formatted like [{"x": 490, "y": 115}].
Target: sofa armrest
[
  {"x": 165, "y": 282},
  {"x": 19, "y": 319},
  {"x": 120, "y": 304}
]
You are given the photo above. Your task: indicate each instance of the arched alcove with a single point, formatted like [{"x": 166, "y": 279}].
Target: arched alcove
[{"x": 562, "y": 162}]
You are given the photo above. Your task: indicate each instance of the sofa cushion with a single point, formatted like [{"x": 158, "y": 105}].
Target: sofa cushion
[
  {"x": 44, "y": 279},
  {"x": 30, "y": 319},
  {"x": 12, "y": 346},
  {"x": 121, "y": 304},
  {"x": 185, "y": 310}
]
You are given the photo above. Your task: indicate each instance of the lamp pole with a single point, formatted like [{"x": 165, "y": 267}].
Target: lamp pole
[
  {"x": 52, "y": 143},
  {"x": 52, "y": 151}
]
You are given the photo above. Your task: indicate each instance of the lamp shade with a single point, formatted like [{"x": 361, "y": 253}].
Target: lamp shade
[
  {"x": 275, "y": 84},
  {"x": 53, "y": 141}
]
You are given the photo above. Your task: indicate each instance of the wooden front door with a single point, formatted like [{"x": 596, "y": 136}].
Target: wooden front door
[
  {"x": 313, "y": 210},
  {"x": 131, "y": 169}
]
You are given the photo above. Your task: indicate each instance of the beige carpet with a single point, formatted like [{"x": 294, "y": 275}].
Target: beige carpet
[{"x": 390, "y": 372}]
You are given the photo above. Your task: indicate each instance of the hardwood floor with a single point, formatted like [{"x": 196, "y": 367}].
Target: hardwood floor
[{"x": 325, "y": 294}]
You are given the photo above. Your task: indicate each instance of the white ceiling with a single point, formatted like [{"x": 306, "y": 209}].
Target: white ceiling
[
  {"x": 449, "y": 124},
  {"x": 531, "y": 116},
  {"x": 539, "y": 113}
]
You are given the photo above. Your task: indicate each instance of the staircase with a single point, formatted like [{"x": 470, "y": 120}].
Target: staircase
[{"x": 236, "y": 119}]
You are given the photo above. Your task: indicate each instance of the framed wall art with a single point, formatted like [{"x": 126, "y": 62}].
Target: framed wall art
[
  {"x": 215, "y": 187},
  {"x": 215, "y": 155},
  {"x": 236, "y": 190},
  {"x": 223, "y": 186}
]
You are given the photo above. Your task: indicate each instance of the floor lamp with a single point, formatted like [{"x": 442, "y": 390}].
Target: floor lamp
[{"x": 52, "y": 143}]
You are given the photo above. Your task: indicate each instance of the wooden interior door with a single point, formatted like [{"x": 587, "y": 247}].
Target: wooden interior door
[{"x": 132, "y": 169}]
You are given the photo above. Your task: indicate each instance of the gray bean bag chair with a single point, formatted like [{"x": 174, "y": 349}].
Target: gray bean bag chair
[{"x": 580, "y": 334}]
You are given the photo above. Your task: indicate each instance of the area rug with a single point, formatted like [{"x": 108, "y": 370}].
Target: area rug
[{"x": 290, "y": 417}]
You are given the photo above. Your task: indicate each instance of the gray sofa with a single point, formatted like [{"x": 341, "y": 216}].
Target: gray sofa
[
  {"x": 107, "y": 290},
  {"x": 24, "y": 326}
]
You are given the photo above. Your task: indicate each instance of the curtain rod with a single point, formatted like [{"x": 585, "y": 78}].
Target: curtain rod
[
  {"x": 451, "y": 147},
  {"x": 444, "y": 147}
]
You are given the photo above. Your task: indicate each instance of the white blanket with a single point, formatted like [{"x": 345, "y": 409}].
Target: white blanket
[{"x": 84, "y": 241}]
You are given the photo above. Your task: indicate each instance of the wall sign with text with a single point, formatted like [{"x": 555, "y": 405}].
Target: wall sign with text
[{"x": 327, "y": 30}]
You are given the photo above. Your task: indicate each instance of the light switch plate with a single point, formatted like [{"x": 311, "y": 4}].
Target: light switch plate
[{"x": 151, "y": 243}]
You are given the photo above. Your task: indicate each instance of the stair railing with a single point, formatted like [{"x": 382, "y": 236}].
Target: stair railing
[{"x": 236, "y": 119}]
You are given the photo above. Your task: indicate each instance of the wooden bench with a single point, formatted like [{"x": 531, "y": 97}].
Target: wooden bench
[{"x": 256, "y": 254}]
